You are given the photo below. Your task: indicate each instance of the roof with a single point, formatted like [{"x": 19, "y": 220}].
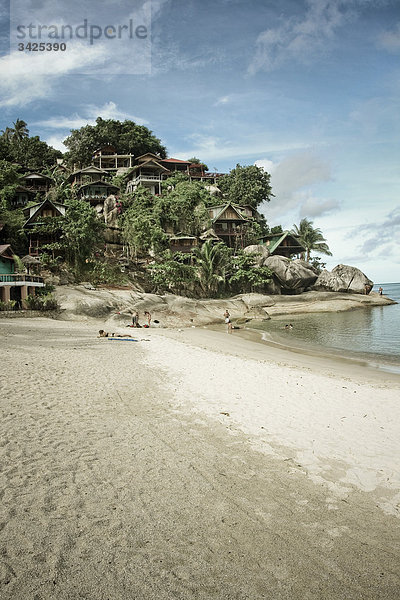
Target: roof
[
  {"x": 183, "y": 236},
  {"x": 148, "y": 163},
  {"x": 6, "y": 251},
  {"x": 99, "y": 183},
  {"x": 210, "y": 235},
  {"x": 60, "y": 208},
  {"x": 223, "y": 209},
  {"x": 90, "y": 169},
  {"x": 276, "y": 240},
  {"x": 149, "y": 154},
  {"x": 36, "y": 176},
  {"x": 176, "y": 160}
]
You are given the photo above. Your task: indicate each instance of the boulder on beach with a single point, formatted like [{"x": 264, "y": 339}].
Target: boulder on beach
[
  {"x": 260, "y": 251},
  {"x": 343, "y": 278},
  {"x": 293, "y": 275}
]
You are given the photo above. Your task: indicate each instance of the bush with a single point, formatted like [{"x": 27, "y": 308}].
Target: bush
[
  {"x": 43, "y": 303},
  {"x": 9, "y": 305}
]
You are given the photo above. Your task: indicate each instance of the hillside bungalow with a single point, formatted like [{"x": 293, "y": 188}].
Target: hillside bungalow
[
  {"x": 36, "y": 216},
  {"x": 37, "y": 183},
  {"x": 230, "y": 222},
  {"x": 183, "y": 242},
  {"x": 22, "y": 197},
  {"x": 87, "y": 175},
  {"x": 96, "y": 191},
  {"x": 15, "y": 286},
  {"x": 283, "y": 244},
  {"x": 107, "y": 158},
  {"x": 147, "y": 173}
]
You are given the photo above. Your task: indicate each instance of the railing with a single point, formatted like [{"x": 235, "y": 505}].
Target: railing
[
  {"x": 147, "y": 178},
  {"x": 14, "y": 277}
]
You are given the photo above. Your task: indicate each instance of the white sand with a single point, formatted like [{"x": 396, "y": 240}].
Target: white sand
[{"x": 121, "y": 479}]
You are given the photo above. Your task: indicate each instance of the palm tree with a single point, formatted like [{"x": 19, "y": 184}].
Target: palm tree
[
  {"x": 211, "y": 261},
  {"x": 7, "y": 133},
  {"x": 311, "y": 238},
  {"x": 20, "y": 130}
]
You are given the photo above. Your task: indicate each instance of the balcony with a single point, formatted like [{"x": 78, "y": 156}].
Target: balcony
[{"x": 17, "y": 279}]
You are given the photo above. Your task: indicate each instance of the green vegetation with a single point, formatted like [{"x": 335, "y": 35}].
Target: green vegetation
[
  {"x": 311, "y": 238},
  {"x": 42, "y": 302},
  {"x": 247, "y": 185},
  {"x": 127, "y": 137}
]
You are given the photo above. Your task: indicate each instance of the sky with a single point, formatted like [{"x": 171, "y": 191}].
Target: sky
[{"x": 307, "y": 89}]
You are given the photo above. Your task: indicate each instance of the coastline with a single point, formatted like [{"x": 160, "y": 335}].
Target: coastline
[{"x": 186, "y": 457}]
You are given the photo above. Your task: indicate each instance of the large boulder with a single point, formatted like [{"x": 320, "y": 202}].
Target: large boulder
[
  {"x": 294, "y": 276},
  {"x": 260, "y": 251},
  {"x": 343, "y": 278}
]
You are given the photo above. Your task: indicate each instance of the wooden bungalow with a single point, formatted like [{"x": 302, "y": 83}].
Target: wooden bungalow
[
  {"x": 37, "y": 183},
  {"x": 21, "y": 197},
  {"x": 283, "y": 244},
  {"x": 230, "y": 223},
  {"x": 15, "y": 286},
  {"x": 96, "y": 192},
  {"x": 37, "y": 214},
  {"x": 147, "y": 173},
  {"x": 183, "y": 242},
  {"x": 87, "y": 175}
]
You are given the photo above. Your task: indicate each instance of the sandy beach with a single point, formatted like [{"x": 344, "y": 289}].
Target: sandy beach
[{"x": 192, "y": 464}]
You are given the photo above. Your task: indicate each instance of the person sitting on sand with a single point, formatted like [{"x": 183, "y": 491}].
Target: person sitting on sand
[
  {"x": 103, "y": 333},
  {"x": 148, "y": 316}
]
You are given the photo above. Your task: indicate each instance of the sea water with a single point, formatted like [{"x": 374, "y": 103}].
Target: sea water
[{"x": 371, "y": 334}]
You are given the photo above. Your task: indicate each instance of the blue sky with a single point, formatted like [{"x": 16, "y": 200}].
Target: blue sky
[{"x": 308, "y": 89}]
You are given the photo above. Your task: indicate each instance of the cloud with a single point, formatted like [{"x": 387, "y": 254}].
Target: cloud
[
  {"x": 304, "y": 38},
  {"x": 24, "y": 79},
  {"x": 381, "y": 236},
  {"x": 56, "y": 143},
  {"x": 109, "y": 110},
  {"x": 390, "y": 40},
  {"x": 292, "y": 180}
]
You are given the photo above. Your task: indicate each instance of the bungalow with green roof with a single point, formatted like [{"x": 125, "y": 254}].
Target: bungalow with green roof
[{"x": 283, "y": 244}]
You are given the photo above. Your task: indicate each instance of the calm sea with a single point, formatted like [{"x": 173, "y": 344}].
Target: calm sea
[{"x": 372, "y": 334}]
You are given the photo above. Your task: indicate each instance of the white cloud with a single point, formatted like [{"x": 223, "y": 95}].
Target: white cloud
[
  {"x": 24, "y": 78},
  {"x": 109, "y": 110},
  {"x": 303, "y": 39},
  {"x": 56, "y": 142},
  {"x": 381, "y": 236},
  {"x": 315, "y": 207},
  {"x": 292, "y": 180}
]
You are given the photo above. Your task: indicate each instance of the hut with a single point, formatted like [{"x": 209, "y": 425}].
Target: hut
[{"x": 15, "y": 286}]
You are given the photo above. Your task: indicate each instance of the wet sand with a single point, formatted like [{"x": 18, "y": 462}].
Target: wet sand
[{"x": 195, "y": 465}]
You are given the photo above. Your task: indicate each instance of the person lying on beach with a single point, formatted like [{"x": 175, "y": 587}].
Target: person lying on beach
[{"x": 103, "y": 333}]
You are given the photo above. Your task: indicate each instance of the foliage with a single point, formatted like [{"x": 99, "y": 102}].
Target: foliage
[
  {"x": 277, "y": 229},
  {"x": 81, "y": 232},
  {"x": 197, "y": 161},
  {"x": 141, "y": 228},
  {"x": 9, "y": 305},
  {"x": 127, "y": 137},
  {"x": 184, "y": 208},
  {"x": 12, "y": 220},
  {"x": 98, "y": 272},
  {"x": 317, "y": 263},
  {"x": 247, "y": 276},
  {"x": 212, "y": 262},
  {"x": 246, "y": 185},
  {"x": 311, "y": 238},
  {"x": 173, "y": 274},
  {"x": 42, "y": 302},
  {"x": 17, "y": 147}
]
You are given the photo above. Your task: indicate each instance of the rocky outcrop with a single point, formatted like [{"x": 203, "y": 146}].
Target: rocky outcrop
[
  {"x": 294, "y": 276},
  {"x": 260, "y": 251},
  {"x": 343, "y": 278}
]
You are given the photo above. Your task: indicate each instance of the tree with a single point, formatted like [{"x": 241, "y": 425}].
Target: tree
[
  {"x": 247, "y": 276},
  {"x": 247, "y": 185},
  {"x": 196, "y": 161},
  {"x": 20, "y": 131},
  {"x": 82, "y": 232},
  {"x": 311, "y": 238},
  {"x": 32, "y": 152},
  {"x": 126, "y": 136},
  {"x": 7, "y": 134},
  {"x": 211, "y": 262},
  {"x": 173, "y": 274},
  {"x": 184, "y": 208}
]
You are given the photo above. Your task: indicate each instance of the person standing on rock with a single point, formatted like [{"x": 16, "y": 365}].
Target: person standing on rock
[
  {"x": 135, "y": 319},
  {"x": 148, "y": 317}
]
